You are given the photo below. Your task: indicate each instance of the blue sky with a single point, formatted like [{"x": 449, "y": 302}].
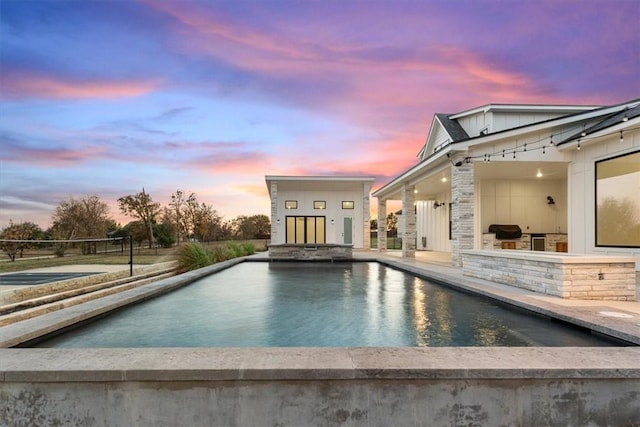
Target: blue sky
[{"x": 107, "y": 97}]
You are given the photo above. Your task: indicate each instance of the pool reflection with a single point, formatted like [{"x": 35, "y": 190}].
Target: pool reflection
[{"x": 315, "y": 305}]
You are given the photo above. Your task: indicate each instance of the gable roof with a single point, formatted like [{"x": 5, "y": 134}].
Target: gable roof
[
  {"x": 608, "y": 116},
  {"x": 452, "y": 127},
  {"x": 449, "y": 124}
]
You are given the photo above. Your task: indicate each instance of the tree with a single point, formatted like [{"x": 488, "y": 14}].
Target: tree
[
  {"x": 251, "y": 227},
  {"x": 177, "y": 207},
  {"x": 141, "y": 206},
  {"x": 262, "y": 225},
  {"x": 82, "y": 218},
  {"x": 137, "y": 230},
  {"x": 392, "y": 222},
  {"x": 20, "y": 231},
  {"x": 164, "y": 235},
  {"x": 86, "y": 217},
  {"x": 205, "y": 221}
]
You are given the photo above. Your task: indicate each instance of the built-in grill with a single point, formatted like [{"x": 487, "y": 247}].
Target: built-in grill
[{"x": 505, "y": 231}]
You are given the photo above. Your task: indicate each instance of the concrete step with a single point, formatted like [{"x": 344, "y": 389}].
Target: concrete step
[{"x": 28, "y": 309}]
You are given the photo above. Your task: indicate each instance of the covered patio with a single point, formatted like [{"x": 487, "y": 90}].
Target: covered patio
[
  {"x": 508, "y": 189},
  {"x": 530, "y": 167}
]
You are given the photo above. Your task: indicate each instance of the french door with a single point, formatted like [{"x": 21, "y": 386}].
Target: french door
[{"x": 306, "y": 229}]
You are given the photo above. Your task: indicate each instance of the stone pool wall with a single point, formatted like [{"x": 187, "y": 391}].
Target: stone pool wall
[
  {"x": 315, "y": 252},
  {"x": 321, "y": 386},
  {"x": 558, "y": 274}
]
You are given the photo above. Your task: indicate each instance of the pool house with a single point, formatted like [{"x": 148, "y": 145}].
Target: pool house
[
  {"x": 316, "y": 217},
  {"x": 547, "y": 178}
]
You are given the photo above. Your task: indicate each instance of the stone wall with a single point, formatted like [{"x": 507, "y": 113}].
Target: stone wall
[
  {"x": 317, "y": 252},
  {"x": 489, "y": 241},
  {"x": 328, "y": 387},
  {"x": 562, "y": 275}
]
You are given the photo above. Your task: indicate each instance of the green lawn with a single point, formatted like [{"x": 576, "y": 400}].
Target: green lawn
[
  {"x": 392, "y": 243},
  {"x": 112, "y": 255}
]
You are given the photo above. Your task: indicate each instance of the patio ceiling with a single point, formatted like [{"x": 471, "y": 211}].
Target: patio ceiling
[
  {"x": 437, "y": 183},
  {"x": 520, "y": 170}
]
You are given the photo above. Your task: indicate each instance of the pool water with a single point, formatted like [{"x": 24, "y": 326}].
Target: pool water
[{"x": 259, "y": 304}]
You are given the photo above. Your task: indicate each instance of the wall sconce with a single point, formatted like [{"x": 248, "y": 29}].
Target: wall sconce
[
  {"x": 550, "y": 200},
  {"x": 333, "y": 221},
  {"x": 278, "y": 221}
]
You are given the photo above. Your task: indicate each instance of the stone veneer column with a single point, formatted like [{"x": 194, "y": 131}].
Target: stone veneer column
[
  {"x": 274, "y": 212},
  {"x": 382, "y": 225},
  {"x": 409, "y": 214},
  {"x": 366, "y": 216},
  {"x": 462, "y": 196}
]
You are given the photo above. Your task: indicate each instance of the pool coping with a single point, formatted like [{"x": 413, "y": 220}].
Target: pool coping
[{"x": 317, "y": 363}]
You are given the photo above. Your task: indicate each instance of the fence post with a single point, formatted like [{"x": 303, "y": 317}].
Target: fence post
[{"x": 130, "y": 255}]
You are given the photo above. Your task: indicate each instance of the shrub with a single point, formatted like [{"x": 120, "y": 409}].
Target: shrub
[
  {"x": 235, "y": 249},
  {"x": 248, "y": 248},
  {"x": 192, "y": 256},
  {"x": 221, "y": 253},
  {"x": 59, "y": 250},
  {"x": 195, "y": 255}
]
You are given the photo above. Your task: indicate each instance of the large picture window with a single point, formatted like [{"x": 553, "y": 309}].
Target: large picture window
[
  {"x": 617, "y": 201},
  {"x": 305, "y": 229}
]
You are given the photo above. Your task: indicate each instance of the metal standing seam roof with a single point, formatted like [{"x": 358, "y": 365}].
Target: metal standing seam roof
[{"x": 611, "y": 120}]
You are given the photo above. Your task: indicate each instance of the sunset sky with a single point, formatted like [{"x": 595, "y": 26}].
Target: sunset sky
[{"x": 107, "y": 97}]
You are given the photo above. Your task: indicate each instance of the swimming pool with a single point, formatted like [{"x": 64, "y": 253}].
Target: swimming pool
[{"x": 257, "y": 304}]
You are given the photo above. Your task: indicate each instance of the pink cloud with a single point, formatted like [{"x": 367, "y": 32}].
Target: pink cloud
[
  {"x": 230, "y": 162},
  {"x": 51, "y": 157},
  {"x": 24, "y": 85}
]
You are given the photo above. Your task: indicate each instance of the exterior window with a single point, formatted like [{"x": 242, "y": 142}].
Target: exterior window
[
  {"x": 305, "y": 229},
  {"x": 617, "y": 204},
  {"x": 347, "y": 204},
  {"x": 291, "y": 204},
  {"x": 319, "y": 204}
]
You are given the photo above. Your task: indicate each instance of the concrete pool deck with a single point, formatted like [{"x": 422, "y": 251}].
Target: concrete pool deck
[{"x": 331, "y": 386}]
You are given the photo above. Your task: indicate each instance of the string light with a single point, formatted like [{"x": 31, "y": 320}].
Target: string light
[{"x": 542, "y": 146}]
